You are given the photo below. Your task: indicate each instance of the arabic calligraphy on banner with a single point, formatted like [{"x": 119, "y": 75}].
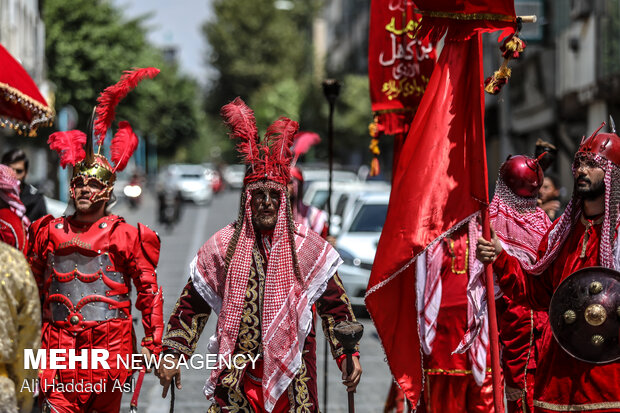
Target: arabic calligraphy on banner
[{"x": 399, "y": 65}]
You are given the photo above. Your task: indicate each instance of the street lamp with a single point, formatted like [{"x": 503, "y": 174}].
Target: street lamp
[{"x": 331, "y": 89}]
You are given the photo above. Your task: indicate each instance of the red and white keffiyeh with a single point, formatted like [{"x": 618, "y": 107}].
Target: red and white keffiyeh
[
  {"x": 520, "y": 225},
  {"x": 429, "y": 291},
  {"x": 310, "y": 216},
  {"x": 9, "y": 193},
  {"x": 287, "y": 315}
]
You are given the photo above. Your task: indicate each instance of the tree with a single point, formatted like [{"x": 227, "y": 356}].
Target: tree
[
  {"x": 88, "y": 45},
  {"x": 255, "y": 45}
]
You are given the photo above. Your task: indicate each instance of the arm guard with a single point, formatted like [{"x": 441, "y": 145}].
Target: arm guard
[
  {"x": 149, "y": 296},
  {"x": 36, "y": 251}
]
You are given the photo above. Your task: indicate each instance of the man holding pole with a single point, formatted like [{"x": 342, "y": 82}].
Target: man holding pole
[
  {"x": 584, "y": 236},
  {"x": 261, "y": 275}
]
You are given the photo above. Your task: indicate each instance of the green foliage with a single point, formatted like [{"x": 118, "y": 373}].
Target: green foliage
[
  {"x": 89, "y": 44},
  {"x": 353, "y": 114},
  {"x": 253, "y": 44},
  {"x": 264, "y": 55}
]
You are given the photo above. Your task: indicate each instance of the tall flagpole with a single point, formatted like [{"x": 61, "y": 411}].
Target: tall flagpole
[
  {"x": 498, "y": 396},
  {"x": 331, "y": 89}
]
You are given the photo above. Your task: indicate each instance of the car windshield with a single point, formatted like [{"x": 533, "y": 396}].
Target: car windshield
[{"x": 370, "y": 218}]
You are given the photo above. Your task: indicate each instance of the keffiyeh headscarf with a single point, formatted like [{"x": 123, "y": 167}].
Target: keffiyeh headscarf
[{"x": 9, "y": 193}]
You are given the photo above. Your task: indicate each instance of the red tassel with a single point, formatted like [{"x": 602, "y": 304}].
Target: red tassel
[
  {"x": 112, "y": 95},
  {"x": 69, "y": 146},
  {"x": 374, "y": 167},
  {"x": 123, "y": 146}
]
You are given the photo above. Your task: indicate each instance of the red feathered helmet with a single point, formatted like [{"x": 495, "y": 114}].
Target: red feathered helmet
[
  {"x": 523, "y": 175},
  {"x": 88, "y": 165},
  {"x": 266, "y": 161}
]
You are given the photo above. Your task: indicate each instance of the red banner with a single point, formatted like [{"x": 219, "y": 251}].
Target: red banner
[
  {"x": 399, "y": 65},
  {"x": 439, "y": 183}
]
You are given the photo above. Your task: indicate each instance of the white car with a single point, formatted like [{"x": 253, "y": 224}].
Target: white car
[
  {"x": 344, "y": 195},
  {"x": 233, "y": 176},
  {"x": 357, "y": 243},
  {"x": 192, "y": 181}
]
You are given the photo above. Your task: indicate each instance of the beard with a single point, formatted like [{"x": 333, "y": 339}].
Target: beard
[{"x": 593, "y": 191}]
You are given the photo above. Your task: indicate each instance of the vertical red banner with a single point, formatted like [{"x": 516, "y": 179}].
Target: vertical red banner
[{"x": 399, "y": 65}]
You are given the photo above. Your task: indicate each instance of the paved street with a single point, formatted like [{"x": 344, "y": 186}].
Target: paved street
[{"x": 178, "y": 248}]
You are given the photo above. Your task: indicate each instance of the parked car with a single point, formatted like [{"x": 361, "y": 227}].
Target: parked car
[
  {"x": 344, "y": 195},
  {"x": 192, "y": 181},
  {"x": 357, "y": 243},
  {"x": 313, "y": 174},
  {"x": 233, "y": 176}
]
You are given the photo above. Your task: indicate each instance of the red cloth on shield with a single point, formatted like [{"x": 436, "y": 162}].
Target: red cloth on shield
[{"x": 440, "y": 181}]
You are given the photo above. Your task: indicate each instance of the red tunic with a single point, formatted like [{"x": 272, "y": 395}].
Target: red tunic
[
  {"x": 563, "y": 383},
  {"x": 449, "y": 384},
  {"x": 12, "y": 230}
]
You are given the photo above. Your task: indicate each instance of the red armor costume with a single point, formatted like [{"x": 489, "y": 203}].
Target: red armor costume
[{"x": 85, "y": 271}]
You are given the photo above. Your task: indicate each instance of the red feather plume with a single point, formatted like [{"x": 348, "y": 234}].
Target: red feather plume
[
  {"x": 303, "y": 142},
  {"x": 69, "y": 145},
  {"x": 112, "y": 95},
  {"x": 240, "y": 119},
  {"x": 123, "y": 146},
  {"x": 279, "y": 137}
]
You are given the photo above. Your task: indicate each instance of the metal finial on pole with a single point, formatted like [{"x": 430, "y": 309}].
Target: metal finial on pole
[{"x": 331, "y": 89}]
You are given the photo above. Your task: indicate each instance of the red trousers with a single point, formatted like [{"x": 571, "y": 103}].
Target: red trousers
[
  {"x": 108, "y": 401},
  {"x": 457, "y": 394},
  {"x": 254, "y": 394},
  {"x": 517, "y": 405}
]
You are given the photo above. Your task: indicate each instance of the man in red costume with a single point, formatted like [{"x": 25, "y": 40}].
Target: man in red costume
[
  {"x": 453, "y": 382},
  {"x": 584, "y": 236},
  {"x": 261, "y": 275},
  {"x": 85, "y": 264},
  {"x": 13, "y": 220},
  {"x": 519, "y": 225}
]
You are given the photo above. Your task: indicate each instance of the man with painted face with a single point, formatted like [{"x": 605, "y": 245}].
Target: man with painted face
[
  {"x": 584, "y": 236},
  {"x": 261, "y": 275},
  {"x": 85, "y": 264}
]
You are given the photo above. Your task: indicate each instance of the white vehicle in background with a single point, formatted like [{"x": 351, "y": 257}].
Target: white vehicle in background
[
  {"x": 192, "y": 181},
  {"x": 357, "y": 243},
  {"x": 313, "y": 174},
  {"x": 233, "y": 176},
  {"x": 344, "y": 195}
]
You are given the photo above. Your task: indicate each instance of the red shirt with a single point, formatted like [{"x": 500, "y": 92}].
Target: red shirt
[{"x": 563, "y": 383}]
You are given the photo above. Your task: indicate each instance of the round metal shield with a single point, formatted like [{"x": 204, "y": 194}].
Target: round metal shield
[{"x": 585, "y": 314}]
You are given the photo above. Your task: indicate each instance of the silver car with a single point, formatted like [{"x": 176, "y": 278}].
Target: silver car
[
  {"x": 192, "y": 181},
  {"x": 357, "y": 243}
]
